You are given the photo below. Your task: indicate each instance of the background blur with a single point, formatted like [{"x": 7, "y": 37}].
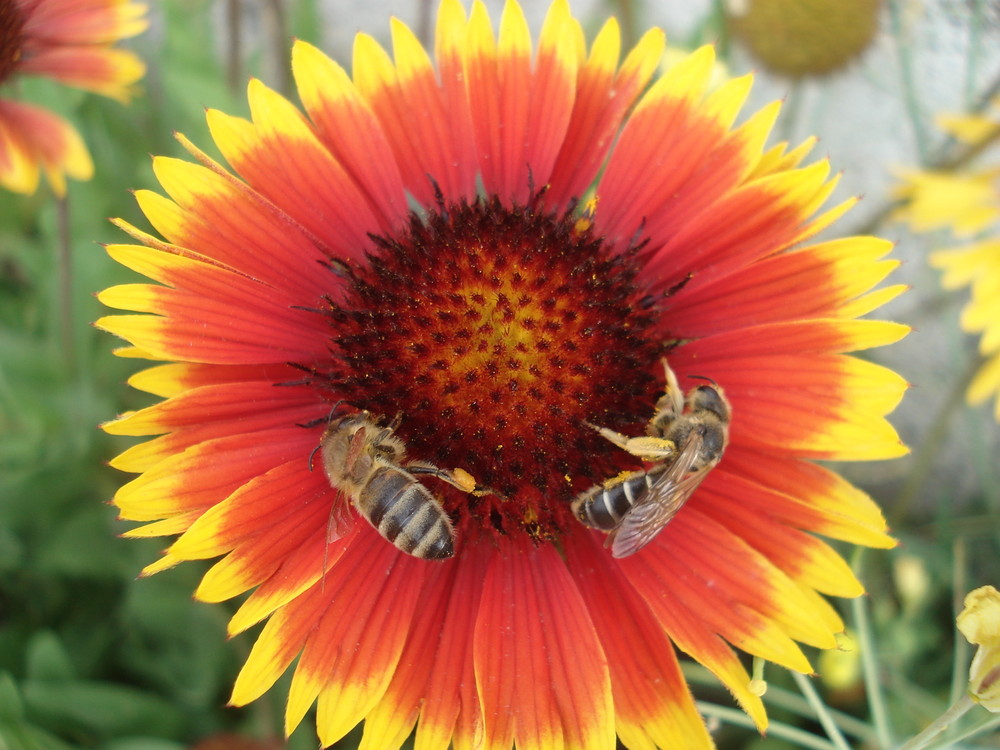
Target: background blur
[{"x": 92, "y": 658}]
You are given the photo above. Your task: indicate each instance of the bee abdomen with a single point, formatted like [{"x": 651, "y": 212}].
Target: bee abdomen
[
  {"x": 604, "y": 505},
  {"x": 407, "y": 514}
]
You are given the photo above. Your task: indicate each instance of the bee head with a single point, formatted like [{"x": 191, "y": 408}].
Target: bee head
[{"x": 709, "y": 398}]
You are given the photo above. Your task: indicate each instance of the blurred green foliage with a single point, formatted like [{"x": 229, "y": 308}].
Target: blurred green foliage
[{"x": 90, "y": 658}]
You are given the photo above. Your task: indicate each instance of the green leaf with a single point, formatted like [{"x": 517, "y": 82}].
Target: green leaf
[
  {"x": 102, "y": 708},
  {"x": 47, "y": 660},
  {"x": 11, "y": 705},
  {"x": 142, "y": 743}
]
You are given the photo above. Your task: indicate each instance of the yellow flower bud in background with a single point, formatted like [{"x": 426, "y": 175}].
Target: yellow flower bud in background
[
  {"x": 840, "y": 668},
  {"x": 979, "y": 622},
  {"x": 913, "y": 582}
]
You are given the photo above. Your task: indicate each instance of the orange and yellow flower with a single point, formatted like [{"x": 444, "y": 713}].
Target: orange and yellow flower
[
  {"x": 70, "y": 42},
  {"x": 415, "y": 244}
]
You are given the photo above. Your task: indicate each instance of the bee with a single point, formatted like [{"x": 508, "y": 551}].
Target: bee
[
  {"x": 366, "y": 462},
  {"x": 685, "y": 439}
]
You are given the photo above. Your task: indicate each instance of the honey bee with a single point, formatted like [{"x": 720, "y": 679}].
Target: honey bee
[
  {"x": 686, "y": 439},
  {"x": 365, "y": 462}
]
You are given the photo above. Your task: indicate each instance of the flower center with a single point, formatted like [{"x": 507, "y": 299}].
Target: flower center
[
  {"x": 11, "y": 37},
  {"x": 495, "y": 333}
]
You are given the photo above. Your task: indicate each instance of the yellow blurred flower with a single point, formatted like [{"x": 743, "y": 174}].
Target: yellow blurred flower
[
  {"x": 979, "y": 622},
  {"x": 966, "y": 203}
]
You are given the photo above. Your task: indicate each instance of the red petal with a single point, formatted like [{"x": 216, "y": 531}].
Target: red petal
[
  {"x": 653, "y": 706},
  {"x": 540, "y": 667}
]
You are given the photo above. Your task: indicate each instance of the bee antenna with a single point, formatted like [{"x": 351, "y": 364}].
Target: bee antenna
[
  {"x": 312, "y": 455},
  {"x": 703, "y": 377}
]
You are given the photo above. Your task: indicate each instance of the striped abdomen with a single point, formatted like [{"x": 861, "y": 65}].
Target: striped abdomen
[
  {"x": 604, "y": 505},
  {"x": 407, "y": 514}
]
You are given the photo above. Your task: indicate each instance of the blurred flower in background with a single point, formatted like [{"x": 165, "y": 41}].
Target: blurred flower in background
[
  {"x": 966, "y": 201},
  {"x": 800, "y": 38},
  {"x": 496, "y": 320},
  {"x": 979, "y": 622},
  {"x": 69, "y": 41}
]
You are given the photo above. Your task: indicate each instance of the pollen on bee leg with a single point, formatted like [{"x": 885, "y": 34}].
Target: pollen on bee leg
[{"x": 464, "y": 480}]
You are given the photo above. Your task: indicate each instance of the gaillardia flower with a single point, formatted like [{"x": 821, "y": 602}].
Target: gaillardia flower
[
  {"x": 797, "y": 39},
  {"x": 70, "y": 42},
  {"x": 967, "y": 202},
  {"x": 484, "y": 255}
]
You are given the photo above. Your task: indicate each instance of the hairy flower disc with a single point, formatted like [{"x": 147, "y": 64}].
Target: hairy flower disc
[
  {"x": 496, "y": 333},
  {"x": 420, "y": 244}
]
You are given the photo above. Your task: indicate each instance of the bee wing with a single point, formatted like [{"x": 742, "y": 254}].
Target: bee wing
[
  {"x": 341, "y": 519},
  {"x": 660, "y": 504},
  {"x": 357, "y": 445}
]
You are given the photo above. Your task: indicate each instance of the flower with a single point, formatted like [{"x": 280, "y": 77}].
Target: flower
[
  {"x": 413, "y": 247},
  {"x": 70, "y": 42},
  {"x": 979, "y": 622},
  {"x": 968, "y": 203},
  {"x": 798, "y": 39}
]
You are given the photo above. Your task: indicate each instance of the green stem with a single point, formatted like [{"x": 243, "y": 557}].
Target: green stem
[
  {"x": 625, "y": 10},
  {"x": 793, "y": 702},
  {"x": 904, "y": 53},
  {"x": 977, "y": 22},
  {"x": 923, "y": 459},
  {"x": 790, "y": 110},
  {"x": 234, "y": 51},
  {"x": 778, "y": 697},
  {"x": 799, "y": 737},
  {"x": 277, "y": 29},
  {"x": 960, "y": 652},
  {"x": 945, "y": 720},
  {"x": 425, "y": 12},
  {"x": 822, "y": 713},
  {"x": 987, "y": 724},
  {"x": 869, "y": 668},
  {"x": 65, "y": 281}
]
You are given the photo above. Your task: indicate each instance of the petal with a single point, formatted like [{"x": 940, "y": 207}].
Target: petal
[
  {"x": 813, "y": 282},
  {"x": 32, "y": 138},
  {"x": 350, "y": 130},
  {"x": 281, "y": 157},
  {"x": 109, "y": 72},
  {"x": 206, "y": 473},
  {"x": 653, "y": 705},
  {"x": 603, "y": 97},
  {"x": 802, "y": 495},
  {"x": 350, "y": 655},
  {"x": 654, "y": 577},
  {"x": 435, "y": 678},
  {"x": 175, "y": 378},
  {"x": 826, "y": 406},
  {"x": 555, "y": 678}
]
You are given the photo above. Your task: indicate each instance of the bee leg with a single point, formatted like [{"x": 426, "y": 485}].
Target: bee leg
[
  {"x": 673, "y": 389},
  {"x": 648, "y": 448},
  {"x": 459, "y": 478},
  {"x": 615, "y": 437}
]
